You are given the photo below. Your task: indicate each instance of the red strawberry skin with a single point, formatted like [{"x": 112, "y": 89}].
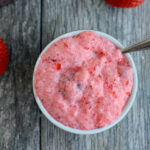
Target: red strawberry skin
[
  {"x": 125, "y": 3},
  {"x": 4, "y": 56}
]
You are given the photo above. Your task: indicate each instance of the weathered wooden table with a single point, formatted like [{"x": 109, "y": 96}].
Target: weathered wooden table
[{"x": 28, "y": 26}]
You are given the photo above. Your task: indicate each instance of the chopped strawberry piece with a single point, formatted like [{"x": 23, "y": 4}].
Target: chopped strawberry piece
[
  {"x": 86, "y": 48},
  {"x": 58, "y": 66},
  {"x": 65, "y": 45}
]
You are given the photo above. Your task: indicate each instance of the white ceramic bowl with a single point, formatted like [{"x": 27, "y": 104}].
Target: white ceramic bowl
[{"x": 77, "y": 131}]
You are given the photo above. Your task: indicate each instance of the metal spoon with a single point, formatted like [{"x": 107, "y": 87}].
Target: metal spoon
[{"x": 137, "y": 47}]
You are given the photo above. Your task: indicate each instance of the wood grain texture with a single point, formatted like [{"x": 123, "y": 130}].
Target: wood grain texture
[
  {"x": 126, "y": 25},
  {"x": 23, "y": 28},
  {"x": 19, "y": 115}
]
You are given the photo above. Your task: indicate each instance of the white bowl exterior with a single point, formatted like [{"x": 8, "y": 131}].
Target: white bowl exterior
[{"x": 78, "y": 131}]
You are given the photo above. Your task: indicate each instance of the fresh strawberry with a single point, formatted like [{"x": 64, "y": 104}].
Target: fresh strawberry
[
  {"x": 125, "y": 3},
  {"x": 4, "y": 57}
]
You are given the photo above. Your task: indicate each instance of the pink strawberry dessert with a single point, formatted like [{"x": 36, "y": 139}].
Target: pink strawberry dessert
[{"x": 84, "y": 81}]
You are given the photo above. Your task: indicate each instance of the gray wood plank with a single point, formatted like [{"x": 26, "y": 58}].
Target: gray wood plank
[
  {"x": 19, "y": 115},
  {"x": 128, "y": 26}
]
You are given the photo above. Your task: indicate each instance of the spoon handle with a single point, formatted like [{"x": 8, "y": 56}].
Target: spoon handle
[{"x": 137, "y": 47}]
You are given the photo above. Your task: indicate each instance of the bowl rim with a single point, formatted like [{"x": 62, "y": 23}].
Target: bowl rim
[{"x": 93, "y": 131}]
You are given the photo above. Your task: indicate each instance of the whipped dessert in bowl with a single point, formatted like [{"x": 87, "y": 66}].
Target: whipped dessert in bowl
[{"x": 83, "y": 83}]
